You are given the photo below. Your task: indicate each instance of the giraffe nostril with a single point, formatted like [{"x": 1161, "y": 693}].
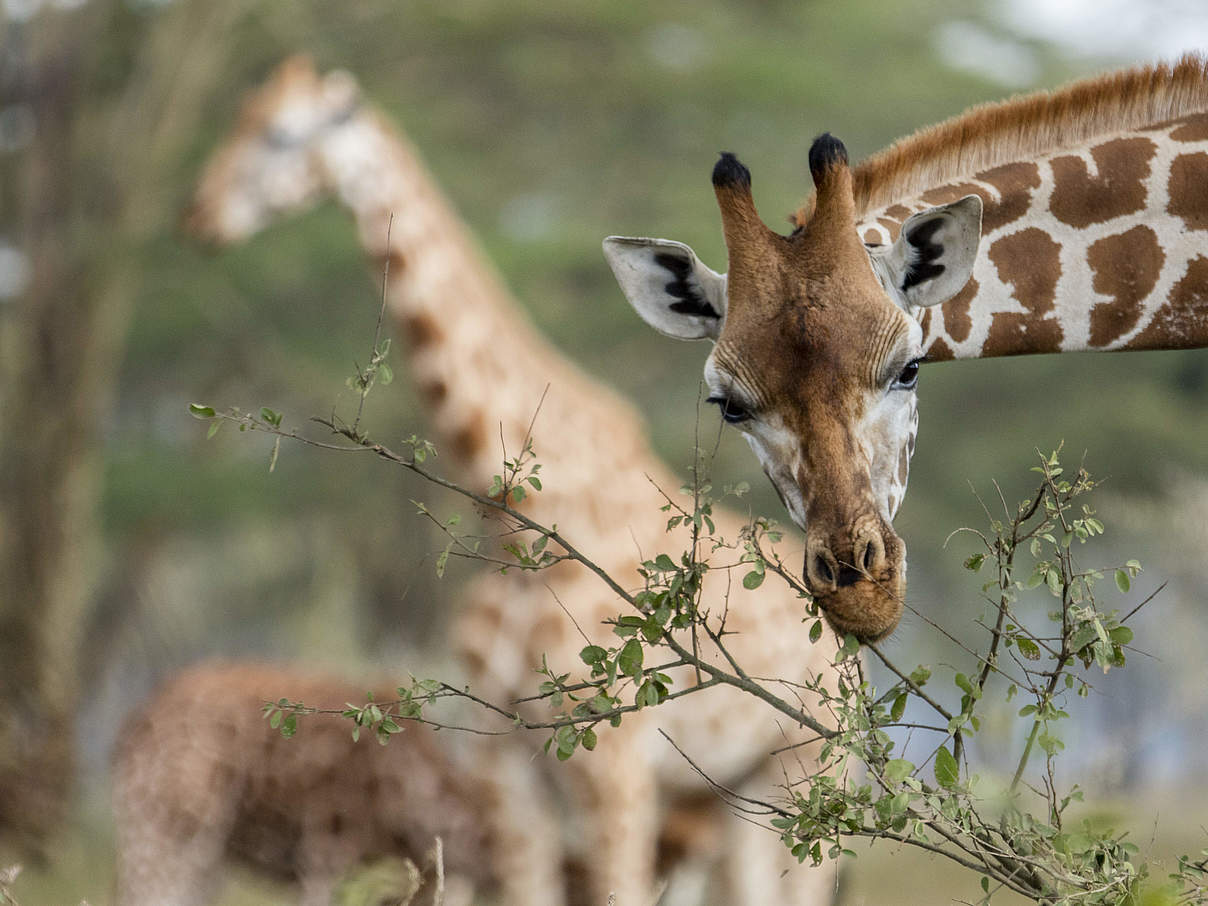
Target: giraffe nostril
[{"x": 822, "y": 569}]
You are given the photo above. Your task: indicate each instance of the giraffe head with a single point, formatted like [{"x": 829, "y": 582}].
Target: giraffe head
[
  {"x": 815, "y": 359},
  {"x": 273, "y": 163}
]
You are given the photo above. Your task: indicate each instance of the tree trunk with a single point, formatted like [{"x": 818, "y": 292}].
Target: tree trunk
[{"x": 87, "y": 194}]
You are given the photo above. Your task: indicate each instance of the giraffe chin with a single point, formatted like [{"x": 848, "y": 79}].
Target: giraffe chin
[{"x": 868, "y": 610}]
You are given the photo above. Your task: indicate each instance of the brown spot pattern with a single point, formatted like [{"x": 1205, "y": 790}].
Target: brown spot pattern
[
  {"x": 957, "y": 322},
  {"x": 1192, "y": 129},
  {"x": 395, "y": 261},
  {"x": 1126, "y": 267},
  {"x": 903, "y": 466},
  {"x": 945, "y": 194},
  {"x": 1080, "y": 199},
  {"x": 468, "y": 439},
  {"x": 422, "y": 329},
  {"x": 1189, "y": 190},
  {"x": 897, "y": 212},
  {"x": 939, "y": 351},
  {"x": 1029, "y": 262},
  {"x": 872, "y": 237},
  {"x": 434, "y": 390},
  {"x": 891, "y": 226},
  {"x": 1015, "y": 183},
  {"x": 1182, "y": 322}
]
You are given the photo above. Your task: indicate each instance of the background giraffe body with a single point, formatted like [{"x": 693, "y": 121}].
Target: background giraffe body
[
  {"x": 200, "y": 778},
  {"x": 486, "y": 372}
]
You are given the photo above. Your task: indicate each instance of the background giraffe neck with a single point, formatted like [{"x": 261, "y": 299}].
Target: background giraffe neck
[
  {"x": 476, "y": 358},
  {"x": 1097, "y": 247}
]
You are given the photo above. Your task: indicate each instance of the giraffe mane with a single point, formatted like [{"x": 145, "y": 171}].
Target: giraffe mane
[{"x": 1027, "y": 126}]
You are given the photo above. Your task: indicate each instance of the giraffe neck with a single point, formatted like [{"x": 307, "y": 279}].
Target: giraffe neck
[
  {"x": 1096, "y": 247},
  {"x": 474, "y": 355}
]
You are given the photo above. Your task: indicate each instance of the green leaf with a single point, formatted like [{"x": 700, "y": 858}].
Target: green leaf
[
  {"x": 947, "y": 772},
  {"x": 816, "y": 631},
  {"x": 592, "y": 654},
  {"x": 974, "y": 563},
  {"x": 630, "y": 658},
  {"x": 664, "y": 563},
  {"x": 648, "y": 694},
  {"x": 199, "y": 411},
  {"x": 213, "y": 430},
  {"x": 588, "y": 739},
  {"x": 898, "y": 769},
  {"x": 1028, "y": 648},
  {"x": 850, "y": 646},
  {"x": 752, "y": 580},
  {"x": 1053, "y": 578},
  {"x": 899, "y": 707},
  {"x": 1122, "y": 581},
  {"x": 518, "y": 494}
]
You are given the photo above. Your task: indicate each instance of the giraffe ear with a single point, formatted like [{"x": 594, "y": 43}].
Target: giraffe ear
[
  {"x": 933, "y": 256},
  {"x": 668, "y": 286}
]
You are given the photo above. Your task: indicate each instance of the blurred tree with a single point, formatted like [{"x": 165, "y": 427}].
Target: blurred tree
[{"x": 111, "y": 92}]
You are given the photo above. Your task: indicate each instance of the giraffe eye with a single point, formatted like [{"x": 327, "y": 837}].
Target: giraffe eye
[
  {"x": 732, "y": 411},
  {"x": 909, "y": 378}
]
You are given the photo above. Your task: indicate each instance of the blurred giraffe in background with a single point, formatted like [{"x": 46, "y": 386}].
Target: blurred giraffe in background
[
  {"x": 203, "y": 780},
  {"x": 485, "y": 371},
  {"x": 200, "y": 778}
]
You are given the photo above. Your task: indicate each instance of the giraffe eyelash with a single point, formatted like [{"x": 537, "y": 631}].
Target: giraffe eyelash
[
  {"x": 731, "y": 411},
  {"x": 908, "y": 379}
]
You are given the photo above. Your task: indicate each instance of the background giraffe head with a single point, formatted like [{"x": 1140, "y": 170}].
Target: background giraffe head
[
  {"x": 272, "y": 164},
  {"x": 816, "y": 360}
]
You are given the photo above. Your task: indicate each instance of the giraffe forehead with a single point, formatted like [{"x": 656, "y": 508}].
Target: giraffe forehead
[{"x": 834, "y": 341}]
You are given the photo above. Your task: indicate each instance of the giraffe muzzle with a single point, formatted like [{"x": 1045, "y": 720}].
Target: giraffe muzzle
[{"x": 859, "y": 580}]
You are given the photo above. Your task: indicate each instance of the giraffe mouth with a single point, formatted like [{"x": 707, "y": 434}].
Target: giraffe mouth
[{"x": 869, "y": 609}]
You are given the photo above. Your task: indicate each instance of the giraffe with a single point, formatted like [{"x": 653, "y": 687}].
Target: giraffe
[
  {"x": 201, "y": 777},
  {"x": 483, "y": 370},
  {"x": 1088, "y": 205}
]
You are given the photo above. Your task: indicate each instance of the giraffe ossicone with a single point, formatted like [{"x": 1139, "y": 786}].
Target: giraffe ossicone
[
  {"x": 815, "y": 360},
  {"x": 1053, "y": 222}
]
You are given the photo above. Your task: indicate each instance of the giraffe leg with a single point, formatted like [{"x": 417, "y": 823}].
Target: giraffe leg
[
  {"x": 615, "y": 798},
  {"x": 526, "y": 838},
  {"x": 760, "y": 869},
  {"x": 168, "y": 854}
]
